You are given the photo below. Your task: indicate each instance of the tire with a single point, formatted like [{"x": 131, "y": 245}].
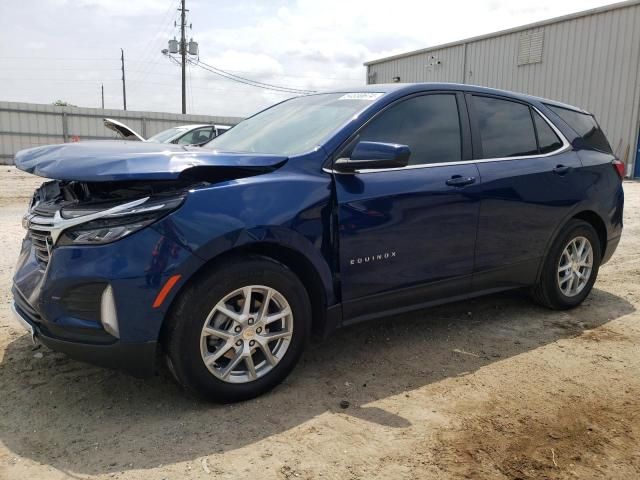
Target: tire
[
  {"x": 553, "y": 289},
  {"x": 223, "y": 289}
]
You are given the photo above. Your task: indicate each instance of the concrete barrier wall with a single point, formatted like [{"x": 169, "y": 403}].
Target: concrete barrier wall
[{"x": 25, "y": 125}]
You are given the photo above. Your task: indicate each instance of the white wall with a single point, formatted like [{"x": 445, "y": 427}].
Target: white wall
[{"x": 25, "y": 125}]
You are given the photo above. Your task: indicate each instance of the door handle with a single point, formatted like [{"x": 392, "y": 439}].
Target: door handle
[
  {"x": 460, "y": 181},
  {"x": 561, "y": 170}
]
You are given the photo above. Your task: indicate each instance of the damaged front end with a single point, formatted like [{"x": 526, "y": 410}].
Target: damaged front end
[
  {"x": 90, "y": 272},
  {"x": 83, "y": 213},
  {"x": 84, "y": 284},
  {"x": 103, "y": 192}
]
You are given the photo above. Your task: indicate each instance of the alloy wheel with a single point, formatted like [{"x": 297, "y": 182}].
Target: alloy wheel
[
  {"x": 246, "y": 334},
  {"x": 575, "y": 266}
]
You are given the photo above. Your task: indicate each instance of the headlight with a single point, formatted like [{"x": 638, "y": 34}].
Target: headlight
[{"x": 114, "y": 226}]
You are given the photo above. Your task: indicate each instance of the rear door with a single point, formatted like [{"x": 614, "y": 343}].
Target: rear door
[
  {"x": 407, "y": 235},
  {"x": 528, "y": 175}
]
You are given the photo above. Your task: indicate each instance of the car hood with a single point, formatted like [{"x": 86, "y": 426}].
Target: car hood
[
  {"x": 122, "y": 130},
  {"x": 102, "y": 161}
]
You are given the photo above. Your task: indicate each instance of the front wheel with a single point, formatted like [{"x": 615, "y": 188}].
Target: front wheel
[
  {"x": 571, "y": 267},
  {"x": 238, "y": 331}
]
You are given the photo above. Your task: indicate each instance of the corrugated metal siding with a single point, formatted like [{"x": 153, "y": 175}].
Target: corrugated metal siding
[
  {"x": 422, "y": 68},
  {"x": 25, "y": 125},
  {"x": 591, "y": 62}
]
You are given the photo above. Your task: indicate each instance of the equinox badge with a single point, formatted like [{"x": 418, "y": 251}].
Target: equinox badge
[{"x": 373, "y": 258}]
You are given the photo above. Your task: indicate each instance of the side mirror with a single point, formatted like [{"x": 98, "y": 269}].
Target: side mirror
[{"x": 374, "y": 155}]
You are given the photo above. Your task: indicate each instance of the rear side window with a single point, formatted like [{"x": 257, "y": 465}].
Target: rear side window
[
  {"x": 585, "y": 126},
  {"x": 429, "y": 125},
  {"x": 506, "y": 128},
  {"x": 547, "y": 139}
]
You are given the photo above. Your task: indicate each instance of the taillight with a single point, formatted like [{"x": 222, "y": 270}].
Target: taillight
[{"x": 619, "y": 166}]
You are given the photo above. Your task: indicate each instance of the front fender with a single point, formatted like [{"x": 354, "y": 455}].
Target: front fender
[{"x": 290, "y": 210}]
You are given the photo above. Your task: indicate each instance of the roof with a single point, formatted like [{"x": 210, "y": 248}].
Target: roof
[
  {"x": 408, "y": 88},
  {"x": 571, "y": 16}
]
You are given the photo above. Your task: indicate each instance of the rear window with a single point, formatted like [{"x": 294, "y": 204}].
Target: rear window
[{"x": 585, "y": 126}]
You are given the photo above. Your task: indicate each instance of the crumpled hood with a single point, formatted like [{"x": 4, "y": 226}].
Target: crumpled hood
[{"x": 103, "y": 161}]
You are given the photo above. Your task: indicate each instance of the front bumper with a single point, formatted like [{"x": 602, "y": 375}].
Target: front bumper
[
  {"x": 137, "y": 359},
  {"x": 23, "y": 322},
  {"x": 52, "y": 300}
]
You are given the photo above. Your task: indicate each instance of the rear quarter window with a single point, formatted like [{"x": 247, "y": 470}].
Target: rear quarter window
[
  {"x": 585, "y": 125},
  {"x": 548, "y": 141}
]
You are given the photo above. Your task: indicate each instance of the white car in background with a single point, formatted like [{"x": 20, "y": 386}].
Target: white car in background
[{"x": 183, "y": 135}]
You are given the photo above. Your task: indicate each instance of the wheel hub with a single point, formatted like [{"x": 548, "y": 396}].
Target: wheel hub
[{"x": 248, "y": 333}]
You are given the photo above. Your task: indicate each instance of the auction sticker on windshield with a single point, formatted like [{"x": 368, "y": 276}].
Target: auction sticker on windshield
[{"x": 361, "y": 96}]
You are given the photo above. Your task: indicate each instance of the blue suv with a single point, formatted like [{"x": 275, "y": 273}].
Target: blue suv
[{"x": 319, "y": 212}]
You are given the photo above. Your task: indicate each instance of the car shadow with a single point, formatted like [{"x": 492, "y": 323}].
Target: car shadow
[{"x": 87, "y": 420}]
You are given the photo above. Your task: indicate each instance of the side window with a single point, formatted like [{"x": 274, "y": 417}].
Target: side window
[
  {"x": 197, "y": 136},
  {"x": 429, "y": 125},
  {"x": 506, "y": 128},
  {"x": 585, "y": 126},
  {"x": 548, "y": 141}
]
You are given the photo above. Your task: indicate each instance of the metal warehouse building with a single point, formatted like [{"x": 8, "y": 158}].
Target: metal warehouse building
[{"x": 589, "y": 59}]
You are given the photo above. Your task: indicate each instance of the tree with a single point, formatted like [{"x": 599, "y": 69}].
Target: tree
[{"x": 62, "y": 103}]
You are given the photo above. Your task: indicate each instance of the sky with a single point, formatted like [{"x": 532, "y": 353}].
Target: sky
[{"x": 65, "y": 49}]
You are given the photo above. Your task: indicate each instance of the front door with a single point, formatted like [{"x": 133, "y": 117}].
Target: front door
[{"x": 407, "y": 235}]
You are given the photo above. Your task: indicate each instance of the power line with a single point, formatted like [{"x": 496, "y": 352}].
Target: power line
[
  {"x": 145, "y": 69},
  {"x": 247, "y": 81},
  {"x": 163, "y": 27},
  {"x": 101, "y": 59},
  {"x": 64, "y": 80},
  {"x": 113, "y": 80},
  {"x": 142, "y": 70},
  {"x": 91, "y": 84},
  {"x": 77, "y": 69}
]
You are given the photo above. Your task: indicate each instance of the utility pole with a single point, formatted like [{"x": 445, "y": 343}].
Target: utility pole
[
  {"x": 183, "y": 54},
  {"x": 182, "y": 48},
  {"x": 124, "y": 85},
  {"x": 102, "y": 92}
]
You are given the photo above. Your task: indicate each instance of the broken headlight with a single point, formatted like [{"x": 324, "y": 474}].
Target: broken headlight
[{"x": 114, "y": 225}]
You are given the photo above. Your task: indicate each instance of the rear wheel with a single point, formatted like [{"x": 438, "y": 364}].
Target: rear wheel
[
  {"x": 571, "y": 267},
  {"x": 240, "y": 330}
]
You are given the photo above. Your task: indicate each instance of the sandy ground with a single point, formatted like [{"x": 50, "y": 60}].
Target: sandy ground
[{"x": 492, "y": 388}]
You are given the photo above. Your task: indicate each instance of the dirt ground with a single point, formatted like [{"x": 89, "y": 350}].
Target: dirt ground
[{"x": 491, "y": 388}]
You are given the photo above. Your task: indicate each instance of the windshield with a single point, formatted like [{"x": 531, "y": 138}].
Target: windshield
[
  {"x": 295, "y": 126},
  {"x": 168, "y": 134}
]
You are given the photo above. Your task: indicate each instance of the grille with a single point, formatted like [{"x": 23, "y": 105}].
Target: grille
[{"x": 41, "y": 237}]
